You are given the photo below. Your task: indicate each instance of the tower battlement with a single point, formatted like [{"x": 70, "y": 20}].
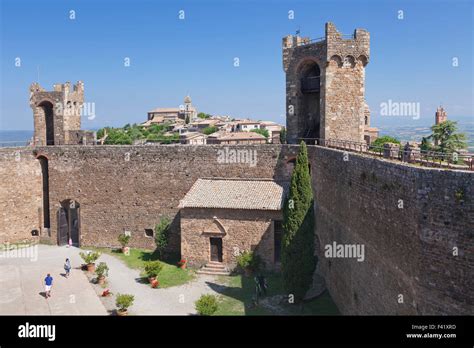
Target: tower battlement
[
  {"x": 325, "y": 85},
  {"x": 57, "y": 114}
]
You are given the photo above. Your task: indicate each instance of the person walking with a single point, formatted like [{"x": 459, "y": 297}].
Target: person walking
[
  {"x": 48, "y": 283},
  {"x": 67, "y": 267}
]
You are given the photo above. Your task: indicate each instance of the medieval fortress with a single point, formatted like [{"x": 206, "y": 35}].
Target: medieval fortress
[{"x": 415, "y": 223}]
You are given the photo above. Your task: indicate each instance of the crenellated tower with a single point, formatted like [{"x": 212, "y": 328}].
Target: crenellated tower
[
  {"x": 57, "y": 114},
  {"x": 325, "y": 85}
]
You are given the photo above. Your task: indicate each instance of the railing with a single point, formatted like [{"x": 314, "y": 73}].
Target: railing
[{"x": 409, "y": 155}]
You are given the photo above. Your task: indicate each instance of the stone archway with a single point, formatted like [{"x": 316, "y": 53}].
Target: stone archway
[
  {"x": 46, "y": 110},
  {"x": 309, "y": 109}
]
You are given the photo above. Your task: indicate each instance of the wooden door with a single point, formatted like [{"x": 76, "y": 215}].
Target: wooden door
[{"x": 216, "y": 249}]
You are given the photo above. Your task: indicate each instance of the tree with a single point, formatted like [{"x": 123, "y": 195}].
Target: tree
[
  {"x": 261, "y": 131},
  {"x": 161, "y": 235},
  {"x": 446, "y": 138},
  {"x": 377, "y": 144},
  {"x": 283, "y": 135},
  {"x": 203, "y": 115},
  {"x": 297, "y": 255},
  {"x": 425, "y": 145},
  {"x": 210, "y": 130}
]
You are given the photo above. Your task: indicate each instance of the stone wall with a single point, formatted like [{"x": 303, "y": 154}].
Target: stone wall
[
  {"x": 409, "y": 219},
  {"x": 240, "y": 230},
  {"x": 20, "y": 195},
  {"x": 128, "y": 188}
]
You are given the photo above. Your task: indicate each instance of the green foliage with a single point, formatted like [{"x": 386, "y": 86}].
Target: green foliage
[
  {"x": 249, "y": 260},
  {"x": 425, "y": 145},
  {"x": 283, "y": 135},
  {"x": 206, "y": 305},
  {"x": 162, "y": 234},
  {"x": 123, "y": 239},
  {"x": 261, "y": 131},
  {"x": 377, "y": 144},
  {"x": 123, "y": 301},
  {"x": 210, "y": 130},
  {"x": 297, "y": 255},
  {"x": 204, "y": 116},
  {"x": 130, "y": 133},
  {"x": 446, "y": 137},
  {"x": 102, "y": 269},
  {"x": 90, "y": 257},
  {"x": 153, "y": 268}
]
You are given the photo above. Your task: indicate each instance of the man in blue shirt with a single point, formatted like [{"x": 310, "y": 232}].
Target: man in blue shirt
[{"x": 48, "y": 283}]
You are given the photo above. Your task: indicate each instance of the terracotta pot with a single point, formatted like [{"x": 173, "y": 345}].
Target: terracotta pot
[
  {"x": 151, "y": 279},
  {"x": 154, "y": 283},
  {"x": 182, "y": 266},
  {"x": 122, "y": 313},
  {"x": 101, "y": 280},
  {"x": 91, "y": 267}
]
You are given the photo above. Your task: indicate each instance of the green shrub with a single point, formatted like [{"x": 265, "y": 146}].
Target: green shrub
[
  {"x": 123, "y": 239},
  {"x": 90, "y": 257},
  {"x": 249, "y": 260},
  {"x": 377, "y": 144},
  {"x": 153, "y": 268},
  {"x": 102, "y": 269},
  {"x": 261, "y": 131},
  {"x": 161, "y": 235},
  {"x": 206, "y": 305},
  {"x": 123, "y": 301},
  {"x": 210, "y": 130}
]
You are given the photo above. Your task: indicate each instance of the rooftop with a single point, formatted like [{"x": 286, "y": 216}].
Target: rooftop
[
  {"x": 254, "y": 194},
  {"x": 236, "y": 135}
]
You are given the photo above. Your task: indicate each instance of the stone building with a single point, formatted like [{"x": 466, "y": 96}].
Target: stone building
[
  {"x": 325, "y": 85},
  {"x": 440, "y": 115},
  {"x": 221, "y": 218},
  {"x": 57, "y": 115},
  {"x": 184, "y": 112},
  {"x": 234, "y": 138}
]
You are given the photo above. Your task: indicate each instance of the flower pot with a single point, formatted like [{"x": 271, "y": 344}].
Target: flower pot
[
  {"x": 182, "y": 266},
  {"x": 101, "y": 280},
  {"x": 154, "y": 283},
  {"x": 121, "y": 313},
  {"x": 91, "y": 267},
  {"x": 151, "y": 279}
]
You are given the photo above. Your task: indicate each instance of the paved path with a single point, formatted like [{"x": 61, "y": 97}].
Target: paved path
[
  {"x": 22, "y": 289},
  {"x": 21, "y": 284}
]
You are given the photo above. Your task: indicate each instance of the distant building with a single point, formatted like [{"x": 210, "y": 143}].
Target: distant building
[
  {"x": 440, "y": 115},
  {"x": 246, "y": 125},
  {"x": 184, "y": 112},
  {"x": 236, "y": 138},
  {"x": 370, "y": 133},
  {"x": 274, "y": 130},
  {"x": 192, "y": 138}
]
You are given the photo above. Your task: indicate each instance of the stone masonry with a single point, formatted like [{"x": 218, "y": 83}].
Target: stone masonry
[{"x": 325, "y": 85}]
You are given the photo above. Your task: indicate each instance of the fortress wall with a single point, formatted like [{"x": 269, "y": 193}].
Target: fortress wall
[
  {"x": 408, "y": 248},
  {"x": 20, "y": 195},
  {"x": 116, "y": 194}
]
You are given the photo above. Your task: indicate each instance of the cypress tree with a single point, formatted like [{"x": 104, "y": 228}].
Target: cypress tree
[{"x": 297, "y": 255}]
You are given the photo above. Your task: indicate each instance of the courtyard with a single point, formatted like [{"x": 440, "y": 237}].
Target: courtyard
[{"x": 23, "y": 290}]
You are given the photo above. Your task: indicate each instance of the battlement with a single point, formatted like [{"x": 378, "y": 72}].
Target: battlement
[{"x": 57, "y": 113}]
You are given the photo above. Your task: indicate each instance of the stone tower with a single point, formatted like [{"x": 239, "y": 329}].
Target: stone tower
[
  {"x": 57, "y": 114},
  {"x": 441, "y": 115},
  {"x": 325, "y": 85}
]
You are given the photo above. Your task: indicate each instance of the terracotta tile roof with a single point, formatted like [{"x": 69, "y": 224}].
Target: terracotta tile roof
[
  {"x": 237, "y": 135},
  {"x": 256, "y": 194}
]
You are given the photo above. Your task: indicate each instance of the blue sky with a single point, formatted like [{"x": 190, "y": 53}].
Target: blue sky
[{"x": 411, "y": 59}]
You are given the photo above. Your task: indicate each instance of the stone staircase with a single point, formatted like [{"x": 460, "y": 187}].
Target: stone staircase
[{"x": 214, "y": 268}]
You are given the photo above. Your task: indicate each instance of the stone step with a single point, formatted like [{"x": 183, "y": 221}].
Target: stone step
[
  {"x": 212, "y": 271},
  {"x": 215, "y": 265}
]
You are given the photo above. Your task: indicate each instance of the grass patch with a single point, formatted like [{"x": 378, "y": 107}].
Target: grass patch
[
  {"x": 236, "y": 294},
  {"x": 170, "y": 275}
]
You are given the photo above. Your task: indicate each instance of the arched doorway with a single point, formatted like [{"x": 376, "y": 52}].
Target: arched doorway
[
  {"x": 47, "y": 108},
  {"x": 309, "y": 122},
  {"x": 69, "y": 223}
]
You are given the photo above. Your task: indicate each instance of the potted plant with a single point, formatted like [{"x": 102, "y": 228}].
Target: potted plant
[
  {"x": 152, "y": 269},
  {"x": 182, "y": 264},
  {"x": 102, "y": 270},
  {"x": 90, "y": 258},
  {"x": 123, "y": 301},
  {"x": 249, "y": 262},
  {"x": 124, "y": 239}
]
